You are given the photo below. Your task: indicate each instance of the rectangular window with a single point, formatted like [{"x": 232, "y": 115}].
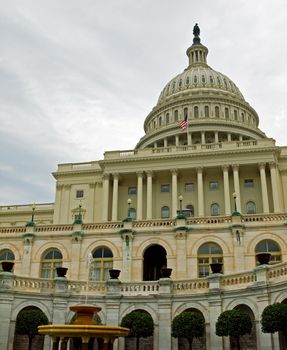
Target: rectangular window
[
  {"x": 132, "y": 190},
  {"x": 213, "y": 185},
  {"x": 189, "y": 187},
  {"x": 79, "y": 194},
  {"x": 164, "y": 188},
  {"x": 248, "y": 183}
]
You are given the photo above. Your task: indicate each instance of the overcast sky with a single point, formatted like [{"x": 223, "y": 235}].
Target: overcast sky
[{"x": 78, "y": 77}]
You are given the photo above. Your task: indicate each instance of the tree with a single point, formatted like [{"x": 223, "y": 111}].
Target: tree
[
  {"x": 140, "y": 324},
  {"x": 274, "y": 319},
  {"x": 28, "y": 321},
  {"x": 188, "y": 325},
  {"x": 234, "y": 323}
]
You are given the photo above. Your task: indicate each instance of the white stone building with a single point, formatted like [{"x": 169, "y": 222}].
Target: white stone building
[{"x": 220, "y": 153}]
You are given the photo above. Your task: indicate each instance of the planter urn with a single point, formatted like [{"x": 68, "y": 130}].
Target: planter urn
[
  {"x": 7, "y": 266},
  {"x": 114, "y": 273},
  {"x": 61, "y": 271},
  {"x": 216, "y": 267},
  {"x": 263, "y": 258}
]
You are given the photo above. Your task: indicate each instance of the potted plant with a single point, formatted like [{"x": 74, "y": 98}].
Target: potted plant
[
  {"x": 7, "y": 266},
  {"x": 61, "y": 271},
  {"x": 216, "y": 267},
  {"x": 263, "y": 258},
  {"x": 166, "y": 272},
  {"x": 114, "y": 273}
]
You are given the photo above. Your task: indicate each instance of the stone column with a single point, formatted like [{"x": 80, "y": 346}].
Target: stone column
[
  {"x": 140, "y": 196},
  {"x": 65, "y": 217},
  {"x": 274, "y": 185},
  {"x": 91, "y": 204},
  {"x": 176, "y": 140},
  {"x": 6, "y": 301},
  {"x": 149, "y": 195},
  {"x": 57, "y": 207},
  {"x": 202, "y": 137},
  {"x": 228, "y": 136},
  {"x": 164, "y": 322},
  {"x": 181, "y": 261},
  {"x": 264, "y": 188},
  {"x": 235, "y": 168},
  {"x": 226, "y": 190},
  {"x": 189, "y": 138},
  {"x": 106, "y": 185},
  {"x": 216, "y": 136},
  {"x": 165, "y": 142},
  {"x": 174, "y": 192},
  {"x": 28, "y": 239},
  {"x": 115, "y": 197},
  {"x": 200, "y": 191}
]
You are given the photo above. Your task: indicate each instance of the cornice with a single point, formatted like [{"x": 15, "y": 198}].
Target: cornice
[{"x": 58, "y": 174}]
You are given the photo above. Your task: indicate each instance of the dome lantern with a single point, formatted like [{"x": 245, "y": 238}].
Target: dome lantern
[{"x": 197, "y": 52}]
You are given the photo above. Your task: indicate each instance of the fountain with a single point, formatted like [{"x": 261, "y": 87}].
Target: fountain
[{"x": 84, "y": 326}]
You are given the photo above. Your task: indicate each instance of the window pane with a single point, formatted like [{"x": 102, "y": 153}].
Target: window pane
[
  {"x": 132, "y": 190},
  {"x": 165, "y": 212},
  {"x": 248, "y": 183},
  {"x": 79, "y": 194},
  {"x": 189, "y": 187},
  {"x": 164, "y": 188},
  {"x": 213, "y": 185},
  {"x": 108, "y": 253}
]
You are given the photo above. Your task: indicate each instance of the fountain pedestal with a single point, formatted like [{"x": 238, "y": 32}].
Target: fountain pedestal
[{"x": 85, "y": 327}]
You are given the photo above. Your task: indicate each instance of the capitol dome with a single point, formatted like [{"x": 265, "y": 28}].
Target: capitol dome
[{"x": 212, "y": 104}]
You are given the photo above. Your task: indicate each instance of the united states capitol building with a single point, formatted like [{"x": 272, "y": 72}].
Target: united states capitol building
[{"x": 213, "y": 191}]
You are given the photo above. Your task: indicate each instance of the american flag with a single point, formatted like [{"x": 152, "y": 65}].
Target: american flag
[{"x": 184, "y": 123}]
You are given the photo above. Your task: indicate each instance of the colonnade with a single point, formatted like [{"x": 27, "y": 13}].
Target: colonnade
[
  {"x": 203, "y": 138},
  {"x": 200, "y": 191}
]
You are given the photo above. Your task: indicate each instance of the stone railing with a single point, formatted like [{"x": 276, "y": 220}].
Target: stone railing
[
  {"x": 209, "y": 220},
  {"x": 153, "y": 223},
  {"x": 52, "y": 228},
  {"x": 264, "y": 217},
  {"x": 22, "y": 284},
  {"x": 12, "y": 229},
  {"x": 103, "y": 226},
  {"x": 227, "y": 282},
  {"x": 226, "y": 145},
  {"x": 27, "y": 207},
  {"x": 190, "y": 286},
  {"x": 83, "y": 287},
  {"x": 140, "y": 288},
  {"x": 277, "y": 270}
]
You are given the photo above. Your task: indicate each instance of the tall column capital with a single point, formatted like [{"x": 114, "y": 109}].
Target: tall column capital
[
  {"x": 174, "y": 171},
  {"x": 115, "y": 175},
  {"x": 261, "y": 165},
  {"x": 59, "y": 187},
  {"x": 106, "y": 176},
  {"x": 199, "y": 169},
  {"x": 225, "y": 167},
  {"x": 140, "y": 173},
  {"x": 149, "y": 173},
  {"x": 272, "y": 165},
  {"x": 235, "y": 167}
]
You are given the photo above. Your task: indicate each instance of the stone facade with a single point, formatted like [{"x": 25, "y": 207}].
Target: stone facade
[{"x": 225, "y": 178}]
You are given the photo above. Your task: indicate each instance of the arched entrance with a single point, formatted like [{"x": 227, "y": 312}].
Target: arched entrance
[
  {"x": 247, "y": 341},
  {"x": 21, "y": 341},
  {"x": 198, "y": 343},
  {"x": 154, "y": 260}
]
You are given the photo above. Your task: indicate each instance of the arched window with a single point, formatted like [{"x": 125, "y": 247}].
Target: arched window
[
  {"x": 133, "y": 213},
  {"x": 216, "y": 112},
  {"x": 165, "y": 212},
  {"x": 190, "y": 208},
  {"x": 214, "y": 209},
  {"x": 159, "y": 121},
  {"x": 185, "y": 112},
  {"x": 226, "y": 113},
  {"x": 235, "y": 115},
  {"x": 195, "y": 111},
  {"x": 154, "y": 259},
  {"x": 51, "y": 259},
  {"x": 243, "y": 117},
  {"x": 102, "y": 263},
  {"x": 208, "y": 253},
  {"x": 206, "y": 111},
  {"x": 6, "y": 255},
  {"x": 250, "y": 208},
  {"x": 176, "y": 115},
  {"x": 167, "y": 118},
  {"x": 269, "y": 246}
]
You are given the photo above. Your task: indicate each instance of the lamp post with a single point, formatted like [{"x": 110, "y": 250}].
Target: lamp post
[
  {"x": 33, "y": 212},
  {"x": 234, "y": 197},
  {"x": 180, "y": 198},
  {"x": 129, "y": 201}
]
